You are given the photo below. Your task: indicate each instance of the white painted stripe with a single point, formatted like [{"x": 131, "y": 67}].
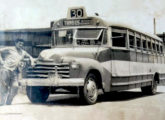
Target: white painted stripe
[
  {"x": 107, "y": 65},
  {"x": 130, "y": 68}
]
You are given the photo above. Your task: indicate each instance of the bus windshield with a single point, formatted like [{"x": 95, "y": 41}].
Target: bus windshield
[
  {"x": 88, "y": 36},
  {"x": 83, "y": 36},
  {"x": 64, "y": 37}
]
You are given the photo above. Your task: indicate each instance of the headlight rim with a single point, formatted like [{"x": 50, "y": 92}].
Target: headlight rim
[{"x": 75, "y": 65}]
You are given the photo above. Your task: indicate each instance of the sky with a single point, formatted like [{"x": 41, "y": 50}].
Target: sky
[{"x": 20, "y": 14}]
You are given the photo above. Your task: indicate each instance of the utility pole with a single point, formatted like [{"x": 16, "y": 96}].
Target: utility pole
[
  {"x": 163, "y": 37},
  {"x": 155, "y": 26}
]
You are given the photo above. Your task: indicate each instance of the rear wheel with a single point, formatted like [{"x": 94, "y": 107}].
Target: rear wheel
[
  {"x": 150, "y": 90},
  {"x": 89, "y": 92},
  {"x": 37, "y": 94}
]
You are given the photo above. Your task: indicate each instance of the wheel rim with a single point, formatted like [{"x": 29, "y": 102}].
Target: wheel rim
[{"x": 91, "y": 90}]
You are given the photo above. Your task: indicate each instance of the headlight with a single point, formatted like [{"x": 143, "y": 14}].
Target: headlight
[{"x": 75, "y": 65}]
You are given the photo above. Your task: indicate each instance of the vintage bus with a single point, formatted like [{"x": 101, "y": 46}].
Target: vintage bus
[{"x": 89, "y": 55}]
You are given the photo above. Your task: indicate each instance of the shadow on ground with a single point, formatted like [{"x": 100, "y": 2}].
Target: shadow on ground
[
  {"x": 122, "y": 96},
  {"x": 73, "y": 100}
]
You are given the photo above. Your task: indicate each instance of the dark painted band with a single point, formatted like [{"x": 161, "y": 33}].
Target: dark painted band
[{"x": 128, "y": 55}]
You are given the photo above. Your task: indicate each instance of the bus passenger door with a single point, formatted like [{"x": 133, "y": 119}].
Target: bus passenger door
[{"x": 104, "y": 59}]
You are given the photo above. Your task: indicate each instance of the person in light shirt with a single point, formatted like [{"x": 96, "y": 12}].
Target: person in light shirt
[{"x": 12, "y": 61}]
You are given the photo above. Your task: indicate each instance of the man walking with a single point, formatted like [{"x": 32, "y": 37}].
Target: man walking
[{"x": 11, "y": 64}]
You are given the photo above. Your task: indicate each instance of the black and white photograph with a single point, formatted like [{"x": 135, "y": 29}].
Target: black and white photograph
[{"x": 82, "y": 60}]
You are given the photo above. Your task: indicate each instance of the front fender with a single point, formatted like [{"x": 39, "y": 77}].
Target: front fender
[
  {"x": 86, "y": 65},
  {"x": 89, "y": 64}
]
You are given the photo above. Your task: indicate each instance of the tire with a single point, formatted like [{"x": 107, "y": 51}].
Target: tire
[
  {"x": 150, "y": 90},
  {"x": 37, "y": 94},
  {"x": 89, "y": 93}
]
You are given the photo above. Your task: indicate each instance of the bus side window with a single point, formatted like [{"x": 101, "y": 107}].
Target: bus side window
[
  {"x": 149, "y": 44},
  {"x": 131, "y": 41},
  {"x": 144, "y": 45},
  {"x": 161, "y": 49},
  {"x": 138, "y": 43},
  {"x": 157, "y": 47},
  {"x": 118, "y": 39},
  {"x": 154, "y": 48}
]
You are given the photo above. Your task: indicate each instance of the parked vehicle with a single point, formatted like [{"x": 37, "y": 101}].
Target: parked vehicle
[{"x": 89, "y": 54}]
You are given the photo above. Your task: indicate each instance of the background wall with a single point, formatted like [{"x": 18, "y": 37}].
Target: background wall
[{"x": 35, "y": 39}]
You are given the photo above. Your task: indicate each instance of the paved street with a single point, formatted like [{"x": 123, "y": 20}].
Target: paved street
[{"x": 126, "y": 105}]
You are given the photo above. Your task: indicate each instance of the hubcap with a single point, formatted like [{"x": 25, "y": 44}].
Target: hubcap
[{"x": 91, "y": 90}]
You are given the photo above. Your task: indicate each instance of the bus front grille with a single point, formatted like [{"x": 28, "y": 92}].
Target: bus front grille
[{"x": 43, "y": 69}]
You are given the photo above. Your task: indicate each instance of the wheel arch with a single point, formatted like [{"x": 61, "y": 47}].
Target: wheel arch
[{"x": 97, "y": 73}]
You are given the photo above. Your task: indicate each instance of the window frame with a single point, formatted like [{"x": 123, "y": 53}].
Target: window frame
[
  {"x": 120, "y": 31},
  {"x": 144, "y": 40},
  {"x": 138, "y": 36},
  {"x": 131, "y": 34}
]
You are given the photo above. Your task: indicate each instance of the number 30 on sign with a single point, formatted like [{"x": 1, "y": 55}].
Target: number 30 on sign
[{"x": 76, "y": 13}]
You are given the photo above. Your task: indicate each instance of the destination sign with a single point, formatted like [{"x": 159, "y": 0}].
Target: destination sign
[
  {"x": 77, "y": 22},
  {"x": 76, "y": 13}
]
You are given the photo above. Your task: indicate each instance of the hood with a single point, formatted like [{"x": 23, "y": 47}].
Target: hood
[{"x": 59, "y": 54}]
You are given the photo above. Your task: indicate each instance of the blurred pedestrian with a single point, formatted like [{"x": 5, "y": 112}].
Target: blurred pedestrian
[{"x": 12, "y": 61}]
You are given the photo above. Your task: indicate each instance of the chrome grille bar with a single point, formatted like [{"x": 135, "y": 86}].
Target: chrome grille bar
[{"x": 42, "y": 70}]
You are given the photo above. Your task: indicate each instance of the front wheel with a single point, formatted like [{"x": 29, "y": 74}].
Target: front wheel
[
  {"x": 37, "y": 94},
  {"x": 89, "y": 92}
]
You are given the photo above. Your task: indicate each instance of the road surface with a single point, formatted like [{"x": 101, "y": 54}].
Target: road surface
[{"x": 126, "y": 105}]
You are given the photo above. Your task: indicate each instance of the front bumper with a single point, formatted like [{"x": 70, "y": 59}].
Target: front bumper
[{"x": 49, "y": 82}]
